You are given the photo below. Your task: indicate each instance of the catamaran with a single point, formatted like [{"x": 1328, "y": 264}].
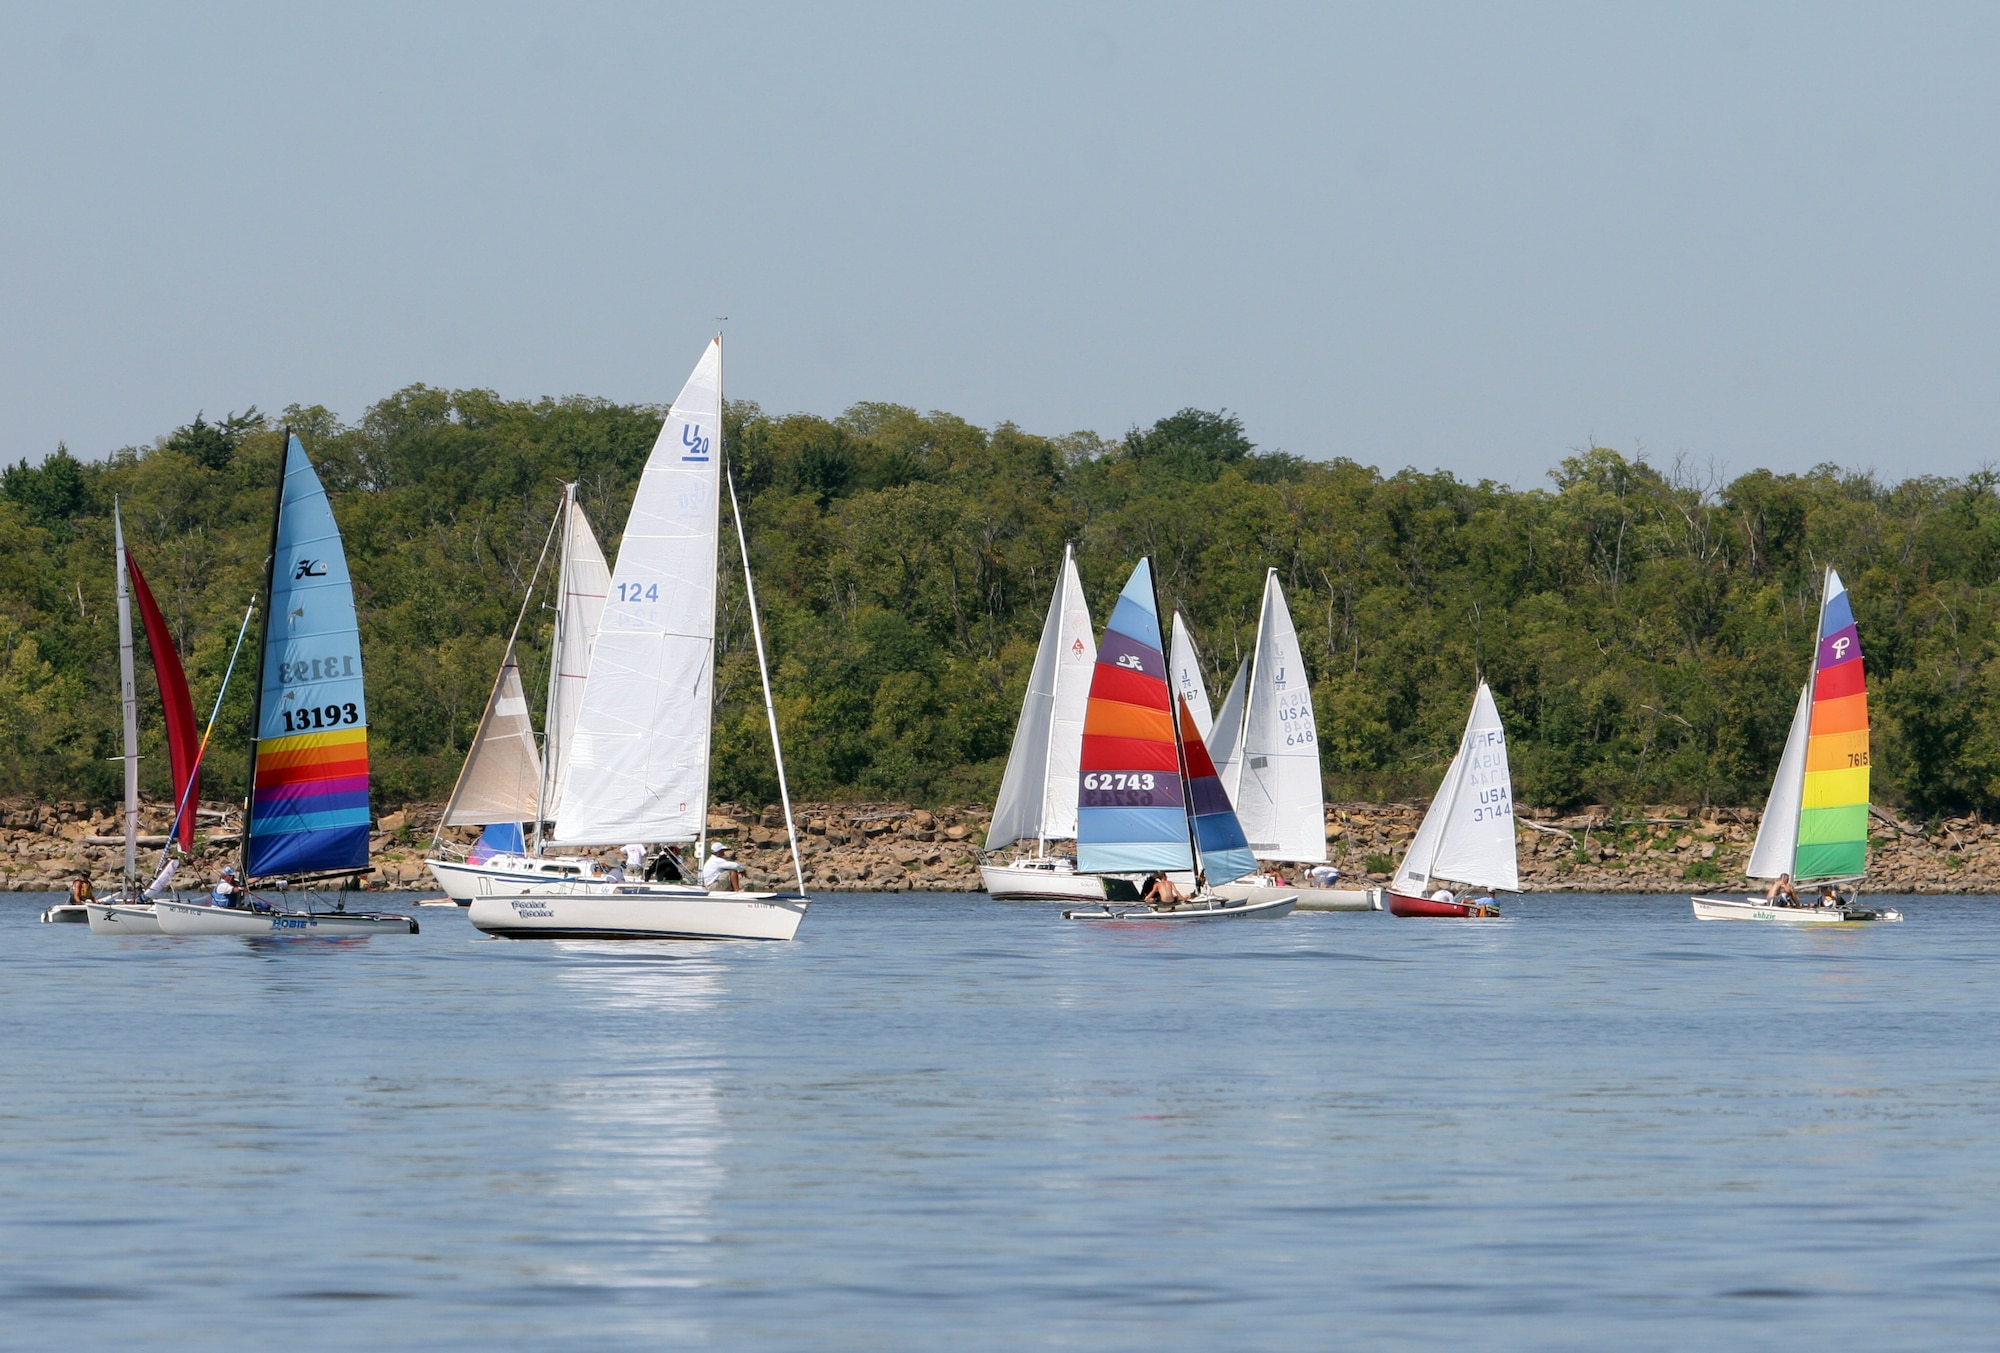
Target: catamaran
[
  {"x": 305, "y": 818},
  {"x": 1149, "y": 799},
  {"x": 638, "y": 755},
  {"x": 1038, "y": 791},
  {"x": 1467, "y": 836},
  {"x": 130, "y": 910},
  {"x": 1815, "y": 823},
  {"x": 1267, "y": 745},
  {"x": 505, "y": 781}
]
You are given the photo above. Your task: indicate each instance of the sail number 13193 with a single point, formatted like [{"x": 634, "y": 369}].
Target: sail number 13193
[{"x": 319, "y": 716}]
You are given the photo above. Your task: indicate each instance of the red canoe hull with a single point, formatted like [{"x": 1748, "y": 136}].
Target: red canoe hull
[{"x": 1401, "y": 904}]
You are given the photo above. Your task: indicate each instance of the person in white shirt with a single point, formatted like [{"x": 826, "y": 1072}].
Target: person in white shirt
[
  {"x": 1442, "y": 895},
  {"x": 635, "y": 861},
  {"x": 1323, "y": 876},
  {"x": 721, "y": 872}
]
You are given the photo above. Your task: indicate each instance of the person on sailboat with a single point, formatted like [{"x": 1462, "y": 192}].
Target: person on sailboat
[
  {"x": 226, "y": 890},
  {"x": 669, "y": 867},
  {"x": 1161, "y": 894},
  {"x": 721, "y": 871},
  {"x": 80, "y": 890},
  {"x": 1781, "y": 893},
  {"x": 1443, "y": 895},
  {"x": 1829, "y": 896},
  {"x": 635, "y": 861},
  {"x": 1323, "y": 875}
]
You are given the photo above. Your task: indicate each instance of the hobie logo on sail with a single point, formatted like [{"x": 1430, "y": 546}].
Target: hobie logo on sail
[
  {"x": 1840, "y": 647},
  {"x": 696, "y": 444},
  {"x": 1130, "y": 661}
]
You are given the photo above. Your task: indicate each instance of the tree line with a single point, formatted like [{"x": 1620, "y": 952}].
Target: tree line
[{"x": 1645, "y": 629}]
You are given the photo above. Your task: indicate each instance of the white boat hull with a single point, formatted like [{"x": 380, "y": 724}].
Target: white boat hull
[
  {"x": 641, "y": 913},
  {"x": 66, "y": 913},
  {"x": 1757, "y": 909},
  {"x": 522, "y": 878},
  {"x": 1309, "y": 899},
  {"x": 192, "y": 918},
  {"x": 1219, "y": 910},
  {"x": 1029, "y": 882},
  {"x": 123, "y": 918}
]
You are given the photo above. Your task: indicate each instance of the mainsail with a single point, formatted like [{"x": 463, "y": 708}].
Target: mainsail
[
  {"x": 309, "y": 763},
  {"x": 1038, "y": 792},
  {"x": 501, "y": 780},
  {"x": 1140, "y": 806},
  {"x": 183, "y": 744},
  {"x": 1277, "y": 789},
  {"x": 639, "y": 755},
  {"x": 1185, "y": 664},
  {"x": 1833, "y": 801},
  {"x": 1467, "y": 836}
]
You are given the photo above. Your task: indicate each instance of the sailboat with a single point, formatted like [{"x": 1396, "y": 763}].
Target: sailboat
[
  {"x": 130, "y": 911},
  {"x": 1149, "y": 799},
  {"x": 305, "y": 817},
  {"x": 1267, "y": 745},
  {"x": 1038, "y": 791},
  {"x": 1467, "y": 836},
  {"x": 638, "y": 755},
  {"x": 1184, "y": 664},
  {"x": 505, "y": 781},
  {"x": 1815, "y": 823}
]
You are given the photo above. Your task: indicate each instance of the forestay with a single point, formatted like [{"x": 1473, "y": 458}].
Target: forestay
[
  {"x": 502, "y": 776},
  {"x": 639, "y": 755},
  {"x": 309, "y": 808},
  {"x": 1277, "y": 788},
  {"x": 1038, "y": 792}
]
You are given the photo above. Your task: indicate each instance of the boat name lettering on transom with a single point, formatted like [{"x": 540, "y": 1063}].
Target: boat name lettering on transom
[{"x": 317, "y": 669}]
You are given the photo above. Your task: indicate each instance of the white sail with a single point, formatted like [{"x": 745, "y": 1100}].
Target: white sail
[
  {"x": 1413, "y": 875},
  {"x": 1277, "y": 793},
  {"x": 1226, "y": 747},
  {"x": 1184, "y": 666},
  {"x": 1468, "y": 834},
  {"x": 1778, "y": 831},
  {"x": 502, "y": 777},
  {"x": 639, "y": 755},
  {"x": 1038, "y": 792},
  {"x": 584, "y": 582}
]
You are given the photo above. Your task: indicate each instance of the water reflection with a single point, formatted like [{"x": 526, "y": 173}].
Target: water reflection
[{"x": 640, "y": 1158}]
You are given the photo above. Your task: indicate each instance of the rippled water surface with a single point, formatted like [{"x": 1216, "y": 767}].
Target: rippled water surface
[{"x": 946, "y": 1121}]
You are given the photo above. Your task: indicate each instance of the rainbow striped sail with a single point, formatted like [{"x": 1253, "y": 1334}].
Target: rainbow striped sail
[
  {"x": 1133, "y": 809},
  {"x": 1833, "y": 804},
  {"x": 309, "y": 767}
]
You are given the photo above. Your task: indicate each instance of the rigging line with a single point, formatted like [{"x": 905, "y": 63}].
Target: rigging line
[
  {"x": 194, "y": 771},
  {"x": 437, "y": 834},
  {"x": 764, "y": 672}
]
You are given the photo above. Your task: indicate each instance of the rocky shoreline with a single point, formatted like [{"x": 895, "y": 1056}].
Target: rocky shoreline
[{"x": 893, "y": 847}]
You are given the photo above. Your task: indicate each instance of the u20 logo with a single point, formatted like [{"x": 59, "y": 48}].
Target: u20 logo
[{"x": 696, "y": 444}]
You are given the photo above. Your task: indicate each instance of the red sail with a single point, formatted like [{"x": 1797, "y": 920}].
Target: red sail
[{"x": 182, "y": 744}]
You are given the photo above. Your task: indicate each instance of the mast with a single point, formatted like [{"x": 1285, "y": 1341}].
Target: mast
[
  {"x": 129, "y": 697},
  {"x": 263, "y": 643},
  {"x": 555, "y": 663},
  {"x": 1180, "y": 745}
]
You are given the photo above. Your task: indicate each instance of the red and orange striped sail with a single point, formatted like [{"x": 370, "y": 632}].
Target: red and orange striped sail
[{"x": 1833, "y": 804}]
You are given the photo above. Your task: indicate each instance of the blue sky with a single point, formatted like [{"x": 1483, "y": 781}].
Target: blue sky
[{"x": 1467, "y": 237}]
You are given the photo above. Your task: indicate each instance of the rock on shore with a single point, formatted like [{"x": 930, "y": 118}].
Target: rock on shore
[{"x": 893, "y": 847}]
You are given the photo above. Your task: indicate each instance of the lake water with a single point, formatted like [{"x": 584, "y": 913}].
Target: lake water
[{"x": 943, "y": 1121}]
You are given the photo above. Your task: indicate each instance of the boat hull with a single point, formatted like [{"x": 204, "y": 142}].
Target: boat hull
[
  {"x": 1403, "y": 904},
  {"x": 1757, "y": 909},
  {"x": 66, "y": 913},
  {"x": 1222, "y": 910},
  {"x": 1309, "y": 899},
  {"x": 191, "y": 918},
  {"x": 1015, "y": 883},
  {"x": 123, "y": 918},
  {"x": 641, "y": 914},
  {"x": 462, "y": 882}
]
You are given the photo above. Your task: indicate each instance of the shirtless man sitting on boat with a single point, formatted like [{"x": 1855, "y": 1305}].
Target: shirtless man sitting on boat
[
  {"x": 1781, "y": 893},
  {"x": 1161, "y": 894}
]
